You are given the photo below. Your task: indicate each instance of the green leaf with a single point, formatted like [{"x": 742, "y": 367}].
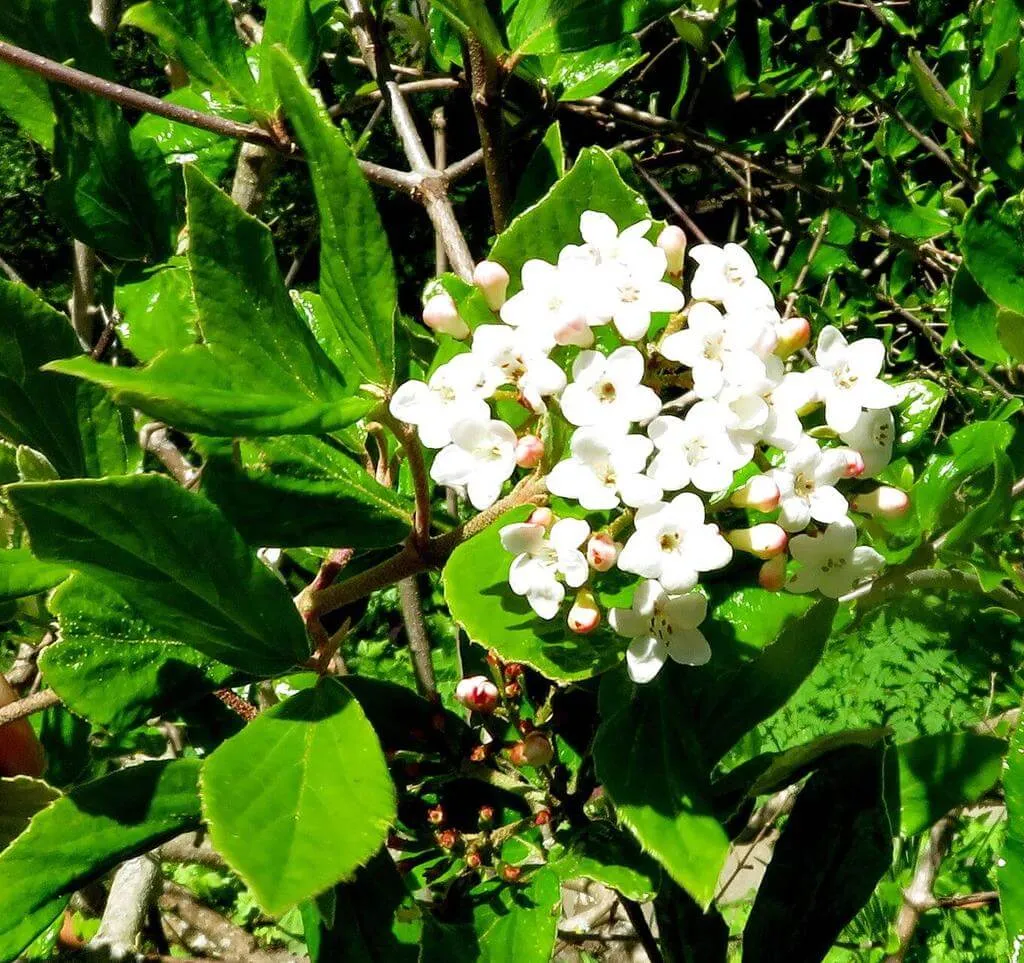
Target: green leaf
[
  {"x": 20, "y": 799},
  {"x": 25, "y": 98},
  {"x": 472, "y": 17},
  {"x": 834, "y": 848},
  {"x": 545, "y": 167},
  {"x": 313, "y": 761},
  {"x": 1010, "y": 328},
  {"x": 649, "y": 761},
  {"x": 898, "y": 211},
  {"x": 259, "y": 369},
  {"x": 357, "y": 276},
  {"x": 917, "y": 410},
  {"x": 290, "y": 24},
  {"x": 114, "y": 668},
  {"x": 478, "y": 595},
  {"x": 594, "y": 183},
  {"x": 1010, "y": 872},
  {"x": 299, "y": 490},
  {"x": 22, "y": 574},
  {"x": 179, "y": 563},
  {"x": 157, "y": 309},
  {"x": 604, "y": 854},
  {"x": 935, "y": 96},
  {"x": 993, "y": 248},
  {"x": 110, "y": 445},
  {"x": 84, "y": 834},
  {"x": 767, "y": 681},
  {"x": 942, "y": 771},
  {"x": 547, "y": 26},
  {"x": 202, "y": 35},
  {"x": 578, "y": 75}
]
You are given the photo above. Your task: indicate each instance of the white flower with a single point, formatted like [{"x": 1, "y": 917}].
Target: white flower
[
  {"x": 697, "y": 450},
  {"x": 719, "y": 349},
  {"x": 604, "y": 467},
  {"x": 847, "y": 378},
  {"x": 552, "y": 305},
  {"x": 673, "y": 544},
  {"x": 769, "y": 412},
  {"x": 603, "y": 245},
  {"x": 661, "y": 625},
  {"x": 833, "y": 562},
  {"x": 480, "y": 458},
  {"x": 543, "y": 559},
  {"x": 632, "y": 290},
  {"x": 455, "y": 391},
  {"x": 872, "y": 436},
  {"x": 517, "y": 357},
  {"x": 728, "y": 275},
  {"x": 607, "y": 391},
  {"x": 807, "y": 486}
]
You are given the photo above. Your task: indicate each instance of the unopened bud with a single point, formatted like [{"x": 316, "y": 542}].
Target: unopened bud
[
  {"x": 584, "y": 616},
  {"x": 760, "y": 493},
  {"x": 534, "y": 750},
  {"x": 524, "y": 726},
  {"x": 851, "y": 461},
  {"x": 773, "y": 574},
  {"x": 447, "y": 838},
  {"x": 478, "y": 754},
  {"x": 477, "y": 693},
  {"x": 763, "y": 541},
  {"x": 529, "y": 451},
  {"x": 512, "y": 690},
  {"x": 542, "y": 818},
  {"x": 575, "y": 331},
  {"x": 602, "y": 551},
  {"x": 672, "y": 241},
  {"x": 793, "y": 334},
  {"x": 473, "y": 859},
  {"x": 441, "y": 315},
  {"x": 884, "y": 502},
  {"x": 435, "y": 815},
  {"x": 510, "y": 873},
  {"x": 543, "y": 517},
  {"x": 513, "y": 670},
  {"x": 486, "y": 815},
  {"x": 492, "y": 279}
]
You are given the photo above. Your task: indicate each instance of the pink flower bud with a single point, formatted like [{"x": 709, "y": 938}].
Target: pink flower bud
[
  {"x": 852, "y": 462},
  {"x": 543, "y": 517},
  {"x": 529, "y": 451},
  {"x": 760, "y": 493},
  {"x": 441, "y": 315},
  {"x": 477, "y": 693},
  {"x": 492, "y": 279},
  {"x": 773, "y": 574},
  {"x": 793, "y": 334},
  {"x": 672, "y": 241},
  {"x": 575, "y": 331},
  {"x": 763, "y": 541},
  {"x": 602, "y": 551},
  {"x": 584, "y": 616},
  {"x": 884, "y": 502},
  {"x": 534, "y": 750}
]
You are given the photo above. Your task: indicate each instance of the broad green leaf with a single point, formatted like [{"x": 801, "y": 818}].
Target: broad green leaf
[
  {"x": 181, "y": 566},
  {"x": 650, "y": 763},
  {"x": 299, "y": 490},
  {"x": 473, "y": 18},
  {"x": 314, "y": 762},
  {"x": 20, "y": 799},
  {"x": 478, "y": 595},
  {"x": 84, "y": 834},
  {"x": 25, "y": 98},
  {"x": 594, "y": 183},
  {"x": 545, "y": 167},
  {"x": 114, "y": 668},
  {"x": 588, "y": 72},
  {"x": 1010, "y": 871},
  {"x": 292, "y": 25},
  {"x": 898, "y": 211},
  {"x": 22, "y": 574},
  {"x": 993, "y": 248},
  {"x": 202, "y": 35},
  {"x": 58, "y": 29},
  {"x": 766, "y": 681},
  {"x": 935, "y": 96},
  {"x": 34, "y": 465},
  {"x": 357, "y": 277},
  {"x": 157, "y": 309},
  {"x": 942, "y": 771},
  {"x": 1010, "y": 328},
  {"x": 547, "y": 26},
  {"x": 918, "y": 408},
  {"x": 1007, "y": 60},
  {"x": 834, "y": 848},
  {"x": 110, "y": 445},
  {"x": 259, "y": 370},
  {"x": 604, "y": 854}
]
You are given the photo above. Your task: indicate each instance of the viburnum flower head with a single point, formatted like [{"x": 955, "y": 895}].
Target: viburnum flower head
[
  {"x": 873, "y": 437},
  {"x": 696, "y": 450},
  {"x": 480, "y": 459},
  {"x": 832, "y": 563},
  {"x": 719, "y": 349},
  {"x": 673, "y": 544},
  {"x": 455, "y": 391},
  {"x": 807, "y": 489},
  {"x": 606, "y": 391},
  {"x": 514, "y": 356},
  {"x": 604, "y": 469},
  {"x": 553, "y": 305},
  {"x": 846, "y": 378},
  {"x": 728, "y": 275},
  {"x": 544, "y": 560},
  {"x": 661, "y": 625}
]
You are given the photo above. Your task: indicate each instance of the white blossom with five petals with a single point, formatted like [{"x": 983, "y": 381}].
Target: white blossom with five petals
[
  {"x": 604, "y": 469},
  {"x": 728, "y": 275},
  {"x": 807, "y": 489},
  {"x": 511, "y": 356},
  {"x": 480, "y": 459},
  {"x": 553, "y": 305},
  {"x": 832, "y": 563},
  {"x": 544, "y": 560},
  {"x": 697, "y": 450},
  {"x": 873, "y": 436},
  {"x": 607, "y": 390}
]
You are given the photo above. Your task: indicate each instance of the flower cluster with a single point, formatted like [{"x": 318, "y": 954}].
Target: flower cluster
[{"x": 686, "y": 415}]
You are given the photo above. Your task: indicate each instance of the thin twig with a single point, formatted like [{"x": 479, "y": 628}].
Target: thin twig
[
  {"x": 672, "y": 203},
  {"x": 132, "y": 891},
  {"x": 643, "y": 929},
  {"x": 486, "y": 97},
  {"x": 440, "y": 125},
  {"x": 811, "y": 255},
  {"x": 28, "y": 706},
  {"x": 419, "y": 642}
]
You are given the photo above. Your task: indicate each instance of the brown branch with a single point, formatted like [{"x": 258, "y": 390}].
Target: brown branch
[
  {"x": 419, "y": 642},
  {"x": 439, "y": 123},
  {"x": 486, "y": 97},
  {"x": 674, "y": 206},
  {"x": 28, "y": 706},
  {"x": 133, "y": 889},
  {"x": 156, "y": 439}
]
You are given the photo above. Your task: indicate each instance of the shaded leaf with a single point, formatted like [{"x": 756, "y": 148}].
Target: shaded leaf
[{"x": 22, "y": 574}]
